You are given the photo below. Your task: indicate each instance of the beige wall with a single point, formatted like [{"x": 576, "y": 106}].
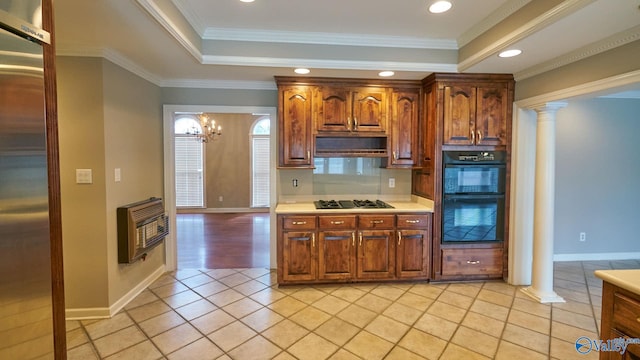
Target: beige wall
[
  {"x": 108, "y": 118},
  {"x": 227, "y": 163},
  {"x": 133, "y": 143},
  {"x": 84, "y": 229}
]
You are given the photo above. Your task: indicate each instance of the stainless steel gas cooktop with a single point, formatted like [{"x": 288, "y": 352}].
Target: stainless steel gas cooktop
[{"x": 351, "y": 204}]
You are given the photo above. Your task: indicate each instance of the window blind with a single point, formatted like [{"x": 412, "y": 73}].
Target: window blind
[
  {"x": 260, "y": 173},
  {"x": 189, "y": 177}
]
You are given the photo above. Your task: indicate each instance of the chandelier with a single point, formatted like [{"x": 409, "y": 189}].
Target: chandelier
[{"x": 208, "y": 130}]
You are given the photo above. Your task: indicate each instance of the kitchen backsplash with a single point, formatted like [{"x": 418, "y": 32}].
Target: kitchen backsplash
[{"x": 344, "y": 176}]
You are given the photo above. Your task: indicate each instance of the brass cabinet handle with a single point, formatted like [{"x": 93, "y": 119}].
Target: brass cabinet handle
[
  {"x": 413, "y": 221},
  {"x": 360, "y": 239},
  {"x": 479, "y": 137},
  {"x": 355, "y": 123},
  {"x": 473, "y": 137},
  {"x": 337, "y": 222},
  {"x": 399, "y": 237},
  {"x": 353, "y": 238},
  {"x": 313, "y": 239},
  {"x": 349, "y": 123},
  {"x": 308, "y": 154},
  {"x": 299, "y": 223},
  {"x": 377, "y": 221},
  {"x": 473, "y": 262},
  {"x": 395, "y": 156}
]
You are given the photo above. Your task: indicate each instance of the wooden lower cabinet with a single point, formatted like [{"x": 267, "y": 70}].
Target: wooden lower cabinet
[
  {"x": 355, "y": 247},
  {"x": 620, "y": 320},
  {"x": 299, "y": 256},
  {"x": 468, "y": 263},
  {"x": 413, "y": 248},
  {"x": 375, "y": 254}
]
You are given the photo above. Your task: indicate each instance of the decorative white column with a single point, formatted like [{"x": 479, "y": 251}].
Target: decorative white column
[{"x": 541, "y": 288}]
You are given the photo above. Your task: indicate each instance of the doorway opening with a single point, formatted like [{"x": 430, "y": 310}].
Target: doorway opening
[{"x": 233, "y": 226}]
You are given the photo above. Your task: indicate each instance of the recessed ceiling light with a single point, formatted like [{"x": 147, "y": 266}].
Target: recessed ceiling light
[
  {"x": 386, "y": 73},
  {"x": 510, "y": 53},
  {"x": 247, "y": 1},
  {"x": 440, "y": 7},
  {"x": 302, "y": 71}
]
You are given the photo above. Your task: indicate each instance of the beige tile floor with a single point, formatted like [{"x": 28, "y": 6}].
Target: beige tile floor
[{"x": 243, "y": 314}]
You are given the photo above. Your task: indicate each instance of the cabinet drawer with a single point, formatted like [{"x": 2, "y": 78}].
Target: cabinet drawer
[
  {"x": 299, "y": 222},
  {"x": 413, "y": 221},
  {"x": 626, "y": 314},
  {"x": 337, "y": 222},
  {"x": 376, "y": 221},
  {"x": 471, "y": 262}
]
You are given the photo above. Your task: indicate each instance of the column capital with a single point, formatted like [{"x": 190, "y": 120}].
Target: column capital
[{"x": 551, "y": 106}]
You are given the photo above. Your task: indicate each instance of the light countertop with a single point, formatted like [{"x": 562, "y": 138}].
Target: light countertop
[
  {"x": 628, "y": 279},
  {"x": 307, "y": 207}
]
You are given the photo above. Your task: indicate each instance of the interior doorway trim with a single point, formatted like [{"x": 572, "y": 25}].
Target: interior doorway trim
[
  {"x": 171, "y": 246},
  {"x": 523, "y": 165}
]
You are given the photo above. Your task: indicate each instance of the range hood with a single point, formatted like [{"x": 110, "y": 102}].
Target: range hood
[{"x": 351, "y": 146}]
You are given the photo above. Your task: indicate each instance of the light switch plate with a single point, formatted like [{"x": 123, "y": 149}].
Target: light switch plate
[
  {"x": 117, "y": 174},
  {"x": 84, "y": 176},
  {"x": 392, "y": 182}
]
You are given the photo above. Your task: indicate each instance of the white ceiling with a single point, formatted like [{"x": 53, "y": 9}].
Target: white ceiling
[{"x": 231, "y": 44}]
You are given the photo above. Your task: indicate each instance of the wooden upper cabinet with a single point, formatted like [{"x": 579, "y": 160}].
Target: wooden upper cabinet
[
  {"x": 348, "y": 110},
  {"x": 459, "y": 115},
  {"x": 296, "y": 143},
  {"x": 491, "y": 114},
  {"x": 333, "y": 109},
  {"x": 476, "y": 115},
  {"x": 403, "y": 146},
  {"x": 370, "y": 110}
]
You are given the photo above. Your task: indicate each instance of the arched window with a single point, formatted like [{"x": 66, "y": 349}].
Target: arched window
[
  {"x": 260, "y": 165},
  {"x": 188, "y": 163}
]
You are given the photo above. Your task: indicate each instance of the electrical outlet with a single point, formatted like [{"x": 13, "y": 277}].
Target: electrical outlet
[
  {"x": 392, "y": 182},
  {"x": 583, "y": 236}
]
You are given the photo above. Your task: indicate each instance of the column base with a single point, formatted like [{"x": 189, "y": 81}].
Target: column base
[{"x": 544, "y": 298}]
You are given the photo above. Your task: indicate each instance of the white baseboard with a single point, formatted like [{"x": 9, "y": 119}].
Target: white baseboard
[
  {"x": 103, "y": 312},
  {"x": 597, "y": 256}
]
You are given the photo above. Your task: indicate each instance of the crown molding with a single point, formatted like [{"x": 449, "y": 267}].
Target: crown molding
[
  {"x": 220, "y": 84},
  {"x": 492, "y": 20},
  {"x": 326, "y": 64},
  {"x": 156, "y": 12},
  {"x": 113, "y": 56},
  {"x": 528, "y": 29},
  {"x": 323, "y": 38},
  {"x": 612, "y": 82},
  {"x": 616, "y": 40},
  {"x": 192, "y": 17}
]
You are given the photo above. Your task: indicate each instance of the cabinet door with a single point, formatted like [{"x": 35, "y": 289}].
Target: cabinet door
[
  {"x": 333, "y": 109},
  {"x": 299, "y": 256},
  {"x": 370, "y": 109},
  {"x": 375, "y": 254},
  {"x": 491, "y": 115},
  {"x": 412, "y": 253},
  {"x": 336, "y": 254},
  {"x": 404, "y": 127},
  {"x": 459, "y": 115},
  {"x": 295, "y": 127}
]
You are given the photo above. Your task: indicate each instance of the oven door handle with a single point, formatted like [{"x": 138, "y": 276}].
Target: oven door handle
[
  {"x": 473, "y": 196},
  {"x": 476, "y": 165}
]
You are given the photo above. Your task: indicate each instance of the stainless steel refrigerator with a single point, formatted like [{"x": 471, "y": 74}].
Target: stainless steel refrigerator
[{"x": 26, "y": 324}]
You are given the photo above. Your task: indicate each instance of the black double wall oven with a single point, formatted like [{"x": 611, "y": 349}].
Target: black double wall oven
[{"x": 473, "y": 196}]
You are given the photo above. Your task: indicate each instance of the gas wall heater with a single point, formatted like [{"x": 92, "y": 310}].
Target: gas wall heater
[{"x": 141, "y": 226}]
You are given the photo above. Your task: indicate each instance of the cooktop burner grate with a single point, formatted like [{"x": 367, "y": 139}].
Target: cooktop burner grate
[{"x": 350, "y": 204}]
